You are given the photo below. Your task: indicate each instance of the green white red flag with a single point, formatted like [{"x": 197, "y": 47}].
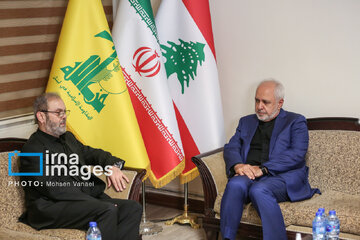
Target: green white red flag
[
  {"x": 137, "y": 45},
  {"x": 186, "y": 39}
]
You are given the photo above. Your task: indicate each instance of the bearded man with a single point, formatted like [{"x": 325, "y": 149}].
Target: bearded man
[
  {"x": 265, "y": 164},
  {"x": 58, "y": 202}
]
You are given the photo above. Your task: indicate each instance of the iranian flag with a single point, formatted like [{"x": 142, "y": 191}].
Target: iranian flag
[
  {"x": 187, "y": 44},
  {"x": 137, "y": 44}
]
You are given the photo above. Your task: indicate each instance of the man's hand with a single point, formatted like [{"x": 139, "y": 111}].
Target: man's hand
[
  {"x": 118, "y": 179},
  {"x": 251, "y": 172}
]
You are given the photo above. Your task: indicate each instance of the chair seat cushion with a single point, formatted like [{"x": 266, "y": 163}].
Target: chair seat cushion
[
  {"x": 301, "y": 213},
  {"x": 347, "y": 208},
  {"x": 251, "y": 216},
  {"x": 18, "y": 235},
  {"x": 22, "y": 231}
]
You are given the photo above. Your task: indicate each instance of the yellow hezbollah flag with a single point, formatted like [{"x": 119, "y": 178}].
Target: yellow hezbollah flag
[{"x": 87, "y": 75}]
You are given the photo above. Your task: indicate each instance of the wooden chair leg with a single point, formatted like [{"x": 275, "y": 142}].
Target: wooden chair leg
[{"x": 211, "y": 234}]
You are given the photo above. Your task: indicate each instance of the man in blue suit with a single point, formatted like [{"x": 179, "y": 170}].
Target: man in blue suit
[{"x": 265, "y": 163}]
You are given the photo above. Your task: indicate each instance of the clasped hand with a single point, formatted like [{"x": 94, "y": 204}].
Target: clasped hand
[
  {"x": 251, "y": 172},
  {"x": 118, "y": 179}
]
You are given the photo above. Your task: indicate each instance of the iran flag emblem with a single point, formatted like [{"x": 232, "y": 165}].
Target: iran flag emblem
[{"x": 146, "y": 62}]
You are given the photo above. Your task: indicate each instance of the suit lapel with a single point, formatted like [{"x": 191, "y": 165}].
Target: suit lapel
[
  {"x": 253, "y": 124},
  {"x": 279, "y": 125}
]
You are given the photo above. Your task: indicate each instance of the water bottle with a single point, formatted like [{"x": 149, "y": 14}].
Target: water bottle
[
  {"x": 93, "y": 232},
  {"x": 322, "y": 210},
  {"x": 333, "y": 226},
  {"x": 323, "y": 215},
  {"x": 319, "y": 227}
]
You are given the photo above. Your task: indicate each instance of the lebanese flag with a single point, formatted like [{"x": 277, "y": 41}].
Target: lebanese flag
[
  {"x": 138, "y": 49},
  {"x": 186, "y": 39}
]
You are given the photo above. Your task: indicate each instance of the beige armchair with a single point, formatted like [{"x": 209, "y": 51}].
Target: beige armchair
[
  {"x": 333, "y": 159},
  {"x": 12, "y": 199}
]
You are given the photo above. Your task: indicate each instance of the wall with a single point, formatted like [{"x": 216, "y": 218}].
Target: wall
[{"x": 313, "y": 47}]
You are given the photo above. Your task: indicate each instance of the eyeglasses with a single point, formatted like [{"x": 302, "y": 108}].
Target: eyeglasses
[{"x": 58, "y": 113}]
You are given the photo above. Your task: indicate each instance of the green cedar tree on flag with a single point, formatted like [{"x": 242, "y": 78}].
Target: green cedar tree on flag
[
  {"x": 136, "y": 42},
  {"x": 185, "y": 34}
]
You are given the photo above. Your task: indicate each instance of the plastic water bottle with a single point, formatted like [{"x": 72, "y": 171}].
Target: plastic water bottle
[
  {"x": 319, "y": 227},
  {"x": 93, "y": 232},
  {"x": 323, "y": 215},
  {"x": 333, "y": 226},
  {"x": 322, "y": 210}
]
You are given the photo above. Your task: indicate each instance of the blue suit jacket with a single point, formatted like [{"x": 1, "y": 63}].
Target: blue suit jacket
[{"x": 288, "y": 146}]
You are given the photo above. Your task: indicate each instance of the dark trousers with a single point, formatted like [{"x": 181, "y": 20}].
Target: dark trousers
[
  {"x": 264, "y": 193},
  {"x": 117, "y": 219}
]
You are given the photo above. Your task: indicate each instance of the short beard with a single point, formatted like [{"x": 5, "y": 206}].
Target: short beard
[
  {"x": 267, "y": 118},
  {"x": 52, "y": 127}
]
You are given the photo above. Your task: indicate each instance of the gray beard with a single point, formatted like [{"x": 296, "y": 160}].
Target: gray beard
[
  {"x": 51, "y": 127},
  {"x": 267, "y": 118}
]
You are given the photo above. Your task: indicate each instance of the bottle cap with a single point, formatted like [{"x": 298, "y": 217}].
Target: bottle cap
[
  {"x": 321, "y": 210},
  {"x": 318, "y": 213},
  {"x": 332, "y": 212},
  {"x": 92, "y": 224}
]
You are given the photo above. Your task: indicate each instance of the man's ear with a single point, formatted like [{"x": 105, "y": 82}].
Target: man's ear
[
  {"x": 40, "y": 117},
  {"x": 281, "y": 102}
]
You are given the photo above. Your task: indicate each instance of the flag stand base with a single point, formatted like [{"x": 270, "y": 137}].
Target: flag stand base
[
  {"x": 185, "y": 218},
  {"x": 146, "y": 227},
  {"x": 149, "y": 228}
]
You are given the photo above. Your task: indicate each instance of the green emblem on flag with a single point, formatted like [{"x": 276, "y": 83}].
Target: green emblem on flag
[
  {"x": 91, "y": 71},
  {"x": 183, "y": 59}
]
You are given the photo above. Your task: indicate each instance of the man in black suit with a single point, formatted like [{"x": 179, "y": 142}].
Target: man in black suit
[{"x": 66, "y": 195}]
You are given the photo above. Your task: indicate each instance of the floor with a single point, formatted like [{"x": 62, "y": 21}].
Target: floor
[{"x": 158, "y": 215}]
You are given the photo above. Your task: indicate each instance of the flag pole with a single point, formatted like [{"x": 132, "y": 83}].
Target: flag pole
[
  {"x": 185, "y": 218},
  {"x": 146, "y": 227}
]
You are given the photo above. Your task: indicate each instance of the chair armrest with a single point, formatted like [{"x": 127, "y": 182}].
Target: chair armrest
[
  {"x": 211, "y": 167},
  {"x": 11, "y": 144},
  {"x": 133, "y": 188}
]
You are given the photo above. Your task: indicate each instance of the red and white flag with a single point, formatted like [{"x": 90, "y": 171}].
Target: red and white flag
[
  {"x": 136, "y": 42},
  {"x": 187, "y": 44}
]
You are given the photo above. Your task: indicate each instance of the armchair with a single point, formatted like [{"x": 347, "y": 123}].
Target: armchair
[
  {"x": 334, "y": 150},
  {"x": 12, "y": 199}
]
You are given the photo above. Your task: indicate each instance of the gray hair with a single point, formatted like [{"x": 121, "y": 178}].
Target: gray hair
[
  {"x": 279, "y": 88},
  {"x": 41, "y": 102}
]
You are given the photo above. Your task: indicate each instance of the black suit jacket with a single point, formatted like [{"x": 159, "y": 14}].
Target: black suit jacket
[{"x": 41, "y": 196}]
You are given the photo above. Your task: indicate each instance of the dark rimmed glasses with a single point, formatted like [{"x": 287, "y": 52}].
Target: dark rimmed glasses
[{"x": 60, "y": 114}]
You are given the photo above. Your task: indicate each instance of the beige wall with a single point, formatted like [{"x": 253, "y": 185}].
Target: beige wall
[{"x": 313, "y": 47}]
